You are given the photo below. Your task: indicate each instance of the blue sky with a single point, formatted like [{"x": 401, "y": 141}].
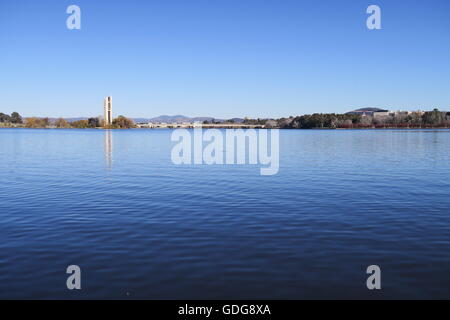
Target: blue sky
[{"x": 222, "y": 58}]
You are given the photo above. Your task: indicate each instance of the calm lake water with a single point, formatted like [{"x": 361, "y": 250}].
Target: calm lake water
[{"x": 139, "y": 226}]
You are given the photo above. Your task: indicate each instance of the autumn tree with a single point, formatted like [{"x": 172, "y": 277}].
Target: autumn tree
[
  {"x": 34, "y": 122},
  {"x": 122, "y": 122},
  {"x": 61, "y": 123},
  {"x": 80, "y": 124}
]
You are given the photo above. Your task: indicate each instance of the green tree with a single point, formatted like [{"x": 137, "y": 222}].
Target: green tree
[
  {"x": 434, "y": 117},
  {"x": 94, "y": 122},
  {"x": 16, "y": 118},
  {"x": 4, "y": 117}
]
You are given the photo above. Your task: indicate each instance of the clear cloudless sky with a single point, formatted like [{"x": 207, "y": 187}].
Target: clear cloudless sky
[{"x": 222, "y": 58}]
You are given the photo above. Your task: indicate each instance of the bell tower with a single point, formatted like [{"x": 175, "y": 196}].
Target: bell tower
[{"x": 107, "y": 106}]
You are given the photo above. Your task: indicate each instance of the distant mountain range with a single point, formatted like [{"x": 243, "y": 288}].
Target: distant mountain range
[
  {"x": 181, "y": 118},
  {"x": 173, "y": 119},
  {"x": 164, "y": 119}
]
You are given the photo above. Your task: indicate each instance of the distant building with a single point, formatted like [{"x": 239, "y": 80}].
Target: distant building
[
  {"x": 383, "y": 113},
  {"x": 368, "y": 111},
  {"x": 107, "y": 106}
]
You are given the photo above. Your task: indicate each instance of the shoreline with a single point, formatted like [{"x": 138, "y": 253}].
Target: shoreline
[{"x": 242, "y": 127}]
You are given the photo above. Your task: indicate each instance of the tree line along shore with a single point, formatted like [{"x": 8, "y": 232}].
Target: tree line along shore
[
  {"x": 412, "y": 120},
  {"x": 16, "y": 121},
  {"x": 429, "y": 119}
]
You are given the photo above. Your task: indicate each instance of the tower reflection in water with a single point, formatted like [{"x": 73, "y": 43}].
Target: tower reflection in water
[{"x": 108, "y": 148}]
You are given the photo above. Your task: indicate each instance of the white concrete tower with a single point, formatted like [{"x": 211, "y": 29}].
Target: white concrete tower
[{"x": 107, "y": 106}]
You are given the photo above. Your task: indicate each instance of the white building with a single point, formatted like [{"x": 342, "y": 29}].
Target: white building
[
  {"x": 107, "y": 107},
  {"x": 383, "y": 113}
]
